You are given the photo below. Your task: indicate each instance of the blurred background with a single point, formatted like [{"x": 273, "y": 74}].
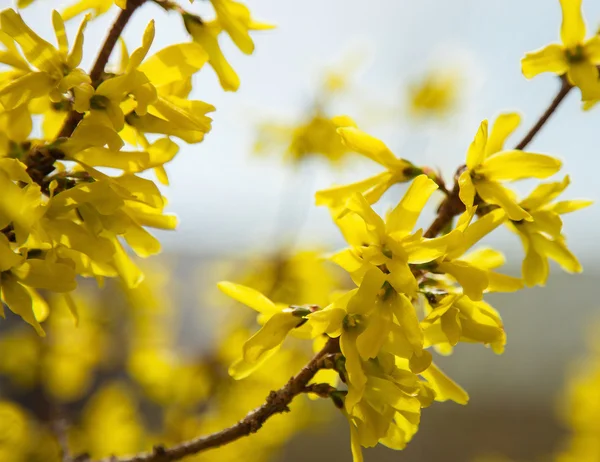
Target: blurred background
[{"x": 368, "y": 60}]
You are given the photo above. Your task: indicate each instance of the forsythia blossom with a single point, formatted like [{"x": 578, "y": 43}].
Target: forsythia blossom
[{"x": 577, "y": 57}]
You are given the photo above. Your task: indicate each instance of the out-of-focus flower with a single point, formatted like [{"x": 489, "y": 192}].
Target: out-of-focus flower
[{"x": 435, "y": 95}]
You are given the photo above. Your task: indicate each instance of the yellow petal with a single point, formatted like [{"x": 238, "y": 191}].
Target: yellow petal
[
  {"x": 140, "y": 53},
  {"x": 336, "y": 196},
  {"x": 37, "y": 51},
  {"x": 364, "y": 300},
  {"x": 240, "y": 369},
  {"x": 19, "y": 301},
  {"x": 572, "y": 29},
  {"x": 249, "y": 297},
  {"x": 355, "y": 446},
  {"x": 234, "y": 17},
  {"x": 404, "y": 216},
  {"x": 420, "y": 363},
  {"x": 473, "y": 280},
  {"x": 8, "y": 258},
  {"x": 451, "y": 327},
  {"x": 406, "y": 316},
  {"x": 548, "y": 59},
  {"x": 544, "y": 193},
  {"x": 484, "y": 258},
  {"x": 584, "y": 75},
  {"x": 444, "y": 387},
  {"x": 367, "y": 145},
  {"x": 60, "y": 32},
  {"x": 563, "y": 207},
  {"x": 478, "y": 230},
  {"x": 270, "y": 336},
  {"x": 328, "y": 321},
  {"x": 76, "y": 54},
  {"x": 503, "y": 283},
  {"x": 495, "y": 193},
  {"x": 467, "y": 189},
  {"x": 141, "y": 241},
  {"x": 205, "y": 34},
  {"x": 24, "y": 89},
  {"x": 401, "y": 277},
  {"x": 516, "y": 165},
  {"x": 131, "y": 275},
  {"x": 503, "y": 127},
  {"x": 370, "y": 340},
  {"x": 174, "y": 63},
  {"x": 535, "y": 268},
  {"x": 44, "y": 274},
  {"x": 592, "y": 49},
  {"x": 356, "y": 376},
  {"x": 557, "y": 251},
  {"x": 476, "y": 152}
]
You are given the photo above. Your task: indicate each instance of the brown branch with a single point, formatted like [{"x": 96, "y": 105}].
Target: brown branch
[
  {"x": 115, "y": 32},
  {"x": 565, "y": 88},
  {"x": 277, "y": 402},
  {"x": 451, "y": 206}
]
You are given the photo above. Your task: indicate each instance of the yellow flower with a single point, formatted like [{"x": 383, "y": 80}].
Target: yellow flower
[
  {"x": 435, "y": 95},
  {"x": 141, "y": 93},
  {"x": 234, "y": 18},
  {"x": 315, "y": 137},
  {"x": 576, "y": 57},
  {"x": 55, "y": 70},
  {"x": 542, "y": 238},
  {"x": 390, "y": 244},
  {"x": 455, "y": 318},
  {"x": 397, "y": 170},
  {"x": 277, "y": 321},
  {"x": 488, "y": 165}
]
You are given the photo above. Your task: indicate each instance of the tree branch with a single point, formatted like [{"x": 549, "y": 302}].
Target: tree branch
[
  {"x": 565, "y": 88},
  {"x": 75, "y": 117},
  {"x": 277, "y": 402},
  {"x": 452, "y": 206}
]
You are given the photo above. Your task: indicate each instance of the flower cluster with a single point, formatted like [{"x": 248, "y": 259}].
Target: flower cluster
[
  {"x": 62, "y": 213},
  {"x": 77, "y": 198},
  {"x": 416, "y": 291}
]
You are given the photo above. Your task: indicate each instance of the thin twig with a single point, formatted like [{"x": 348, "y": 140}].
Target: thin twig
[
  {"x": 111, "y": 40},
  {"x": 565, "y": 88},
  {"x": 277, "y": 402}
]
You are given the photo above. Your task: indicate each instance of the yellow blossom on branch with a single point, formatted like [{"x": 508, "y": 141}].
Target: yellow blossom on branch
[{"x": 577, "y": 57}]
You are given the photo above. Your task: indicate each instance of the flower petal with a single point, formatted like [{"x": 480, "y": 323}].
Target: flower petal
[
  {"x": 467, "y": 190},
  {"x": 270, "y": 336},
  {"x": 403, "y": 218},
  {"x": 476, "y": 152},
  {"x": 249, "y": 297},
  {"x": 495, "y": 193},
  {"x": 548, "y": 59},
  {"x": 572, "y": 29},
  {"x": 517, "y": 165},
  {"x": 444, "y": 387},
  {"x": 503, "y": 127},
  {"x": 367, "y": 145}
]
